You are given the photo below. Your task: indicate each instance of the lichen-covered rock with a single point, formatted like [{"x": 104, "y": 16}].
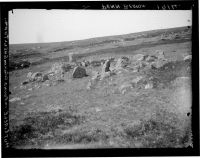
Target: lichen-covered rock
[{"x": 79, "y": 72}]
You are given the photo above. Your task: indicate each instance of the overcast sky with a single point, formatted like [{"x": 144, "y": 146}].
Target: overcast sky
[{"x": 37, "y": 26}]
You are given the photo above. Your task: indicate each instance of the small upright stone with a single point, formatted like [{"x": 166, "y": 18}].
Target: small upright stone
[
  {"x": 106, "y": 66},
  {"x": 71, "y": 57}
]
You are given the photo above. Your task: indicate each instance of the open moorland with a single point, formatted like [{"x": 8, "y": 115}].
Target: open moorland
[{"x": 125, "y": 91}]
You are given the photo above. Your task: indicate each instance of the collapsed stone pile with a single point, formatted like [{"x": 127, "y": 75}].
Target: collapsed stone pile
[
  {"x": 126, "y": 66},
  {"x": 56, "y": 73},
  {"x": 110, "y": 67}
]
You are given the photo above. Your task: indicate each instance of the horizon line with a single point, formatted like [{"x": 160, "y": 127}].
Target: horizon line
[{"x": 100, "y": 36}]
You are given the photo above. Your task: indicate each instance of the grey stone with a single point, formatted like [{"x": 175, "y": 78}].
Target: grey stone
[
  {"x": 138, "y": 57},
  {"x": 122, "y": 62},
  {"x": 79, "y": 72},
  {"x": 37, "y": 76},
  {"x": 158, "y": 64},
  {"x": 45, "y": 77},
  {"x": 25, "y": 82},
  {"x": 106, "y": 66},
  {"x": 188, "y": 58}
]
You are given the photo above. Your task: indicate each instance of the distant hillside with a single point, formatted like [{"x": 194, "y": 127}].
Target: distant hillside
[{"x": 116, "y": 38}]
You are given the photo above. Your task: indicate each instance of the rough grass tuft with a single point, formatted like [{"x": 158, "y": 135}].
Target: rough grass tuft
[{"x": 41, "y": 123}]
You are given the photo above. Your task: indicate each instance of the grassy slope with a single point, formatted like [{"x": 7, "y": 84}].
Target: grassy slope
[{"x": 70, "y": 116}]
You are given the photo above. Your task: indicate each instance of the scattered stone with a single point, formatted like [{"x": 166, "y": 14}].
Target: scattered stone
[
  {"x": 97, "y": 109},
  {"x": 25, "y": 82},
  {"x": 96, "y": 63},
  {"x": 79, "y": 72},
  {"x": 157, "y": 64},
  {"x": 105, "y": 75},
  {"x": 45, "y": 77},
  {"x": 37, "y": 86},
  {"x": 37, "y": 76},
  {"x": 30, "y": 89},
  {"x": 15, "y": 99},
  {"x": 188, "y": 58},
  {"x": 29, "y": 75},
  {"x": 138, "y": 57},
  {"x": 122, "y": 63},
  {"x": 26, "y": 96},
  {"x": 136, "y": 80},
  {"x": 57, "y": 70},
  {"x": 150, "y": 58},
  {"x": 22, "y": 103},
  {"x": 160, "y": 55},
  {"x": 148, "y": 86},
  {"x": 96, "y": 75},
  {"x": 83, "y": 64}
]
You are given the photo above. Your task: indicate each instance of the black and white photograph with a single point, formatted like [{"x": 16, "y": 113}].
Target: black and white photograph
[{"x": 100, "y": 79}]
